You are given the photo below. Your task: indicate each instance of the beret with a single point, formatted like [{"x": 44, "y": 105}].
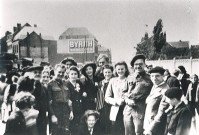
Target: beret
[
  {"x": 93, "y": 65},
  {"x": 138, "y": 56},
  {"x": 173, "y": 92},
  {"x": 69, "y": 59},
  {"x": 33, "y": 68},
  {"x": 157, "y": 70}
]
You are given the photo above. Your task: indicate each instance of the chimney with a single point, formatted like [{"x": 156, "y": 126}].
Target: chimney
[
  {"x": 14, "y": 29},
  {"x": 35, "y": 25},
  {"x": 19, "y": 26}
]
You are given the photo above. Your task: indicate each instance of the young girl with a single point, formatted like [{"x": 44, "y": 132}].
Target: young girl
[
  {"x": 102, "y": 106},
  {"x": 89, "y": 123},
  {"x": 114, "y": 96},
  {"x": 90, "y": 86},
  {"x": 75, "y": 88}
]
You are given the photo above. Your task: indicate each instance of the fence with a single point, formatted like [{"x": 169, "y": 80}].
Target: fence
[{"x": 191, "y": 65}]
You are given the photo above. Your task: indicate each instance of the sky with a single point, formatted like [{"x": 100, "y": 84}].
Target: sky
[{"x": 118, "y": 24}]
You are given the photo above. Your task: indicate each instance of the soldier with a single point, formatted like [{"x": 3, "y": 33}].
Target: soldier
[
  {"x": 139, "y": 89},
  {"x": 60, "y": 104}
]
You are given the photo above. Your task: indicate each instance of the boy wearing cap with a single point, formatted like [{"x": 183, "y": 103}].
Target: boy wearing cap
[
  {"x": 155, "y": 101},
  {"x": 139, "y": 89},
  {"x": 179, "y": 119}
]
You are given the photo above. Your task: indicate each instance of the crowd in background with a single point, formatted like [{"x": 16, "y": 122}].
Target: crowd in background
[{"x": 99, "y": 99}]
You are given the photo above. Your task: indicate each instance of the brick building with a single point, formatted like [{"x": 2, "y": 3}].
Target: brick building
[{"x": 32, "y": 42}]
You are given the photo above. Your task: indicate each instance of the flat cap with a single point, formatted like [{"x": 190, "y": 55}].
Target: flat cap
[
  {"x": 33, "y": 68},
  {"x": 157, "y": 70},
  {"x": 138, "y": 56}
]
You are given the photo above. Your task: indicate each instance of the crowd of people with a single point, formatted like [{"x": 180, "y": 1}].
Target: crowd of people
[{"x": 99, "y": 99}]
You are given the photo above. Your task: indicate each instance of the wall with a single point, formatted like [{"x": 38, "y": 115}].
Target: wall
[{"x": 191, "y": 65}]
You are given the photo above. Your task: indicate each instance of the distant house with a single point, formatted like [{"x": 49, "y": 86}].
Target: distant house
[
  {"x": 179, "y": 44},
  {"x": 177, "y": 49},
  {"x": 32, "y": 42}
]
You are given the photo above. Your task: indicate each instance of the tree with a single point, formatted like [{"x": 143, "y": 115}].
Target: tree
[{"x": 158, "y": 36}]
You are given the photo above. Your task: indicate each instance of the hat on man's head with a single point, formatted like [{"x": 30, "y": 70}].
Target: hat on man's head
[
  {"x": 69, "y": 59},
  {"x": 33, "y": 68},
  {"x": 174, "y": 92},
  {"x": 138, "y": 56},
  {"x": 93, "y": 65},
  {"x": 157, "y": 70}
]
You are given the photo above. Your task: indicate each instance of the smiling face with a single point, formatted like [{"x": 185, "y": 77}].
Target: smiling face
[
  {"x": 89, "y": 71},
  {"x": 156, "y": 78},
  {"x": 59, "y": 72},
  {"x": 139, "y": 65},
  {"x": 45, "y": 78},
  {"x": 73, "y": 75},
  {"x": 91, "y": 120},
  {"x": 107, "y": 73},
  {"x": 120, "y": 70}
]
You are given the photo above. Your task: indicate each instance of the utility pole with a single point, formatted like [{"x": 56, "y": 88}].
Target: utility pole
[{"x": 85, "y": 47}]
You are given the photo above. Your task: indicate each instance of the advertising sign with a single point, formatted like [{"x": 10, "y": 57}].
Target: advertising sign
[{"x": 81, "y": 45}]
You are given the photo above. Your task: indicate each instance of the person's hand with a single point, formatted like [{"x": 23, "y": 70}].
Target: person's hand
[
  {"x": 95, "y": 100},
  {"x": 54, "y": 119},
  {"x": 147, "y": 132},
  {"x": 84, "y": 94},
  {"x": 71, "y": 116},
  {"x": 120, "y": 102},
  {"x": 130, "y": 102},
  {"x": 69, "y": 103}
]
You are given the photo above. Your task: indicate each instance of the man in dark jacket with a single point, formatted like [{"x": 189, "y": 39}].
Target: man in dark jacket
[{"x": 179, "y": 119}]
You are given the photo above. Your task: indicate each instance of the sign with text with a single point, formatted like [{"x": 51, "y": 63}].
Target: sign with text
[{"x": 81, "y": 45}]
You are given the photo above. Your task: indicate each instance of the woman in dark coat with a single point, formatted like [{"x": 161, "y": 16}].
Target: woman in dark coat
[
  {"x": 75, "y": 88},
  {"x": 90, "y": 87}
]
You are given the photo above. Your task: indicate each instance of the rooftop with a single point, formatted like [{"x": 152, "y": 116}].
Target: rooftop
[
  {"x": 179, "y": 44},
  {"x": 27, "y": 29},
  {"x": 76, "y": 32}
]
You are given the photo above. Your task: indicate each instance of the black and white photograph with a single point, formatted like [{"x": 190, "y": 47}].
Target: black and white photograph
[{"x": 99, "y": 67}]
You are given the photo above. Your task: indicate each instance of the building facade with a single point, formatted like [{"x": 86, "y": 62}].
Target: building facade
[
  {"x": 32, "y": 42},
  {"x": 79, "y": 43}
]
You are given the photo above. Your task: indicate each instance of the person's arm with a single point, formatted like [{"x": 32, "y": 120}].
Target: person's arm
[
  {"x": 109, "y": 94},
  {"x": 6, "y": 94}
]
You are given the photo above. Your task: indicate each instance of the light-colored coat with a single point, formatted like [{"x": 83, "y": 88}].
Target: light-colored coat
[
  {"x": 114, "y": 92},
  {"x": 153, "y": 102}
]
